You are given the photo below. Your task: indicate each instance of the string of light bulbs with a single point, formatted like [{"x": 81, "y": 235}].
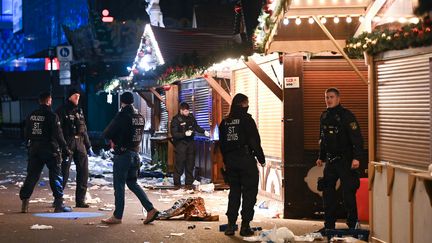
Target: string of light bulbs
[{"x": 348, "y": 19}]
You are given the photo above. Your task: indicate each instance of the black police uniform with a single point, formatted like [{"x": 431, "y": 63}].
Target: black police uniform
[
  {"x": 184, "y": 147},
  {"x": 240, "y": 143},
  {"x": 340, "y": 143},
  {"x": 126, "y": 130},
  {"x": 75, "y": 133},
  {"x": 46, "y": 139}
]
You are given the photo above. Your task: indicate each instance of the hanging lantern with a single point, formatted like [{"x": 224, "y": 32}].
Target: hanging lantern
[
  {"x": 166, "y": 87},
  {"x": 237, "y": 9}
]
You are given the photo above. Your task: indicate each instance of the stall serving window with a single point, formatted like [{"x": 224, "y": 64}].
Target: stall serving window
[{"x": 198, "y": 95}]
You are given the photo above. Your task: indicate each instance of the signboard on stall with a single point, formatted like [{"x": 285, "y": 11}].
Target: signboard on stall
[
  {"x": 292, "y": 82},
  {"x": 64, "y": 53}
]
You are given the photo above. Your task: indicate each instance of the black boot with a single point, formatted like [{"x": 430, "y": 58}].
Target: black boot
[
  {"x": 82, "y": 205},
  {"x": 60, "y": 207},
  {"x": 231, "y": 228},
  {"x": 245, "y": 229},
  {"x": 24, "y": 206}
]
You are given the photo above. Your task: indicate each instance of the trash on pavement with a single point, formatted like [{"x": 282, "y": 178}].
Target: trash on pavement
[
  {"x": 192, "y": 208},
  {"x": 41, "y": 227},
  {"x": 177, "y": 234}
]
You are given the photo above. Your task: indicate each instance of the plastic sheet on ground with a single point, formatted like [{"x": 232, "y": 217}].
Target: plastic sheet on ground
[
  {"x": 276, "y": 235},
  {"x": 41, "y": 227},
  {"x": 193, "y": 208},
  {"x": 6, "y": 181}
]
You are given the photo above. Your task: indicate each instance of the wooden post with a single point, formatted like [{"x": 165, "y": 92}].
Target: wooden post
[
  {"x": 257, "y": 70},
  {"x": 330, "y": 36},
  {"x": 371, "y": 135},
  {"x": 218, "y": 88},
  {"x": 153, "y": 90},
  {"x": 172, "y": 103},
  {"x": 293, "y": 138}
]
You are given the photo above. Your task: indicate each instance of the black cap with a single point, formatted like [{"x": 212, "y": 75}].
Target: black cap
[
  {"x": 44, "y": 95},
  {"x": 71, "y": 92},
  {"x": 127, "y": 98},
  {"x": 184, "y": 106}
]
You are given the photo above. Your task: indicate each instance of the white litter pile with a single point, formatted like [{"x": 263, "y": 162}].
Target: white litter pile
[
  {"x": 283, "y": 235},
  {"x": 41, "y": 227}
]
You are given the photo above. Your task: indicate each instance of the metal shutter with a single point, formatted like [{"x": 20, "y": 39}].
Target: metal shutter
[
  {"x": 319, "y": 75},
  {"x": 197, "y": 94},
  {"x": 163, "y": 126},
  {"x": 264, "y": 106},
  {"x": 403, "y": 125}
]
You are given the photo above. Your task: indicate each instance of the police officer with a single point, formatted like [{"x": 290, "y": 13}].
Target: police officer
[
  {"x": 240, "y": 143},
  {"x": 46, "y": 138},
  {"x": 183, "y": 128},
  {"x": 75, "y": 132},
  {"x": 341, "y": 146},
  {"x": 125, "y": 131}
]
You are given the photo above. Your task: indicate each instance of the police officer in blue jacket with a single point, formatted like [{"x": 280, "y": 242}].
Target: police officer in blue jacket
[
  {"x": 341, "y": 146},
  {"x": 46, "y": 142},
  {"x": 241, "y": 148}
]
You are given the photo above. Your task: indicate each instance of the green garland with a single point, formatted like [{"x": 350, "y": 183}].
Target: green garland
[
  {"x": 411, "y": 35},
  {"x": 267, "y": 21}
]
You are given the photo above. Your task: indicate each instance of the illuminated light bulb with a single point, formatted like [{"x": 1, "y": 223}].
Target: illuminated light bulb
[
  {"x": 298, "y": 21},
  {"x": 348, "y": 19},
  {"x": 402, "y": 20},
  {"x": 311, "y": 20},
  {"x": 285, "y": 21},
  {"x": 414, "y": 20},
  {"x": 336, "y": 19},
  {"x": 323, "y": 20},
  {"x": 390, "y": 19}
]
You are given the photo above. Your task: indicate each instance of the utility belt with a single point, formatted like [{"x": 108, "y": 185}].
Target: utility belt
[
  {"x": 243, "y": 149},
  {"x": 119, "y": 150},
  {"x": 332, "y": 158}
]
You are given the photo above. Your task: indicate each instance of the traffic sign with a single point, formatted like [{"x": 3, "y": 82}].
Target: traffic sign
[{"x": 64, "y": 53}]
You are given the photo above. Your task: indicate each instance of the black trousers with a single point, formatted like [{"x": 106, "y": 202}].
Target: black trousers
[
  {"x": 184, "y": 162},
  {"x": 243, "y": 176},
  {"x": 37, "y": 160},
  {"x": 79, "y": 156},
  {"x": 350, "y": 182}
]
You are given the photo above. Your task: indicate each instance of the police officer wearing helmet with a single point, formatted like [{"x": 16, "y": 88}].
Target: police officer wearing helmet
[
  {"x": 183, "y": 128},
  {"x": 125, "y": 131},
  {"x": 75, "y": 132},
  {"x": 240, "y": 144},
  {"x": 46, "y": 142},
  {"x": 341, "y": 146}
]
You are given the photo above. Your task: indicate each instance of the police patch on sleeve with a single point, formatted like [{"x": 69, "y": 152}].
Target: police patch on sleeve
[{"x": 353, "y": 125}]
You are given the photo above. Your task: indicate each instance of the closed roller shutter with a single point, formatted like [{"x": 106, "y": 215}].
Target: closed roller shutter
[
  {"x": 403, "y": 111},
  {"x": 270, "y": 114},
  {"x": 322, "y": 74},
  {"x": 163, "y": 125},
  {"x": 264, "y": 106}
]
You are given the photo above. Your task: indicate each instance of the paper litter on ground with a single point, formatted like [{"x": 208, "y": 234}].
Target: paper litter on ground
[
  {"x": 41, "y": 227},
  {"x": 177, "y": 234}
]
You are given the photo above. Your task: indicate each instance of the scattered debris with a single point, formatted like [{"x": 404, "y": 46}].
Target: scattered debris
[
  {"x": 1, "y": 214},
  {"x": 89, "y": 223},
  {"x": 207, "y": 227},
  {"x": 102, "y": 226},
  {"x": 133, "y": 231},
  {"x": 191, "y": 226},
  {"x": 105, "y": 209},
  {"x": 5, "y": 181},
  {"x": 41, "y": 227},
  {"x": 177, "y": 234},
  {"x": 3, "y": 187}
]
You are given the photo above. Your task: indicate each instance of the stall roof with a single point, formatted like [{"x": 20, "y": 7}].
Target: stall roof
[
  {"x": 176, "y": 42},
  {"x": 304, "y": 36}
]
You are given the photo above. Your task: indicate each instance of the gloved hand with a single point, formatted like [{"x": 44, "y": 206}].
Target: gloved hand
[
  {"x": 188, "y": 133},
  {"x": 207, "y": 134},
  {"x": 90, "y": 152},
  {"x": 66, "y": 153}
]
